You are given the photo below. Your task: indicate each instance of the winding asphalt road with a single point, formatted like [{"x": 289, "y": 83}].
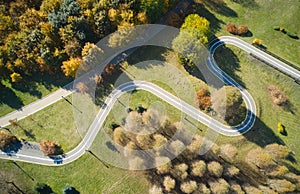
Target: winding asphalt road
[{"x": 37, "y": 156}]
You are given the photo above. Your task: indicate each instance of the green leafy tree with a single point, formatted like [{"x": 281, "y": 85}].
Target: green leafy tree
[
  {"x": 153, "y": 8},
  {"x": 67, "y": 8}
]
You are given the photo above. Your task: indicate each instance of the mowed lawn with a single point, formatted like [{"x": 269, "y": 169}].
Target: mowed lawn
[
  {"x": 261, "y": 16},
  {"x": 87, "y": 175},
  {"x": 14, "y": 96},
  {"x": 54, "y": 123},
  {"x": 256, "y": 77}
]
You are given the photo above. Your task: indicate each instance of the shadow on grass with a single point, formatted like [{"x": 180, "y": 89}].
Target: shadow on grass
[
  {"x": 220, "y": 7},
  {"x": 201, "y": 10},
  {"x": 229, "y": 63},
  {"x": 248, "y": 34},
  {"x": 9, "y": 97},
  {"x": 14, "y": 148},
  {"x": 247, "y": 3},
  {"x": 262, "y": 135}
]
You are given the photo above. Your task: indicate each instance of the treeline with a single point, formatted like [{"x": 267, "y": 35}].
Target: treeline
[{"x": 39, "y": 36}]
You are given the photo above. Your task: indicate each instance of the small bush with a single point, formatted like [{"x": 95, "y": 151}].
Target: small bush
[{"x": 276, "y": 28}]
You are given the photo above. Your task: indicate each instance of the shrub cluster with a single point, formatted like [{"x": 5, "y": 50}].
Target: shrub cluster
[
  {"x": 241, "y": 30},
  {"x": 285, "y": 31}
]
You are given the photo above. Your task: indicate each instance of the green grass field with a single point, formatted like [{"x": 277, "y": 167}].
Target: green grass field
[
  {"x": 15, "y": 96},
  {"x": 260, "y": 16},
  {"x": 54, "y": 123},
  {"x": 87, "y": 175}
]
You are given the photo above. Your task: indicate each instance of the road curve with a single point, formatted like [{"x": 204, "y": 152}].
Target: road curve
[
  {"x": 102, "y": 114},
  {"x": 87, "y": 141}
]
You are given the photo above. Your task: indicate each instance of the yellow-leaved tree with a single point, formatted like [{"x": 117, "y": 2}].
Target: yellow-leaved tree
[
  {"x": 197, "y": 26},
  {"x": 70, "y": 67}
]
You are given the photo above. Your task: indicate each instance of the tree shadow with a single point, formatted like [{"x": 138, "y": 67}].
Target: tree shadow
[
  {"x": 12, "y": 149},
  {"x": 220, "y": 7},
  {"x": 27, "y": 87},
  {"x": 229, "y": 63},
  {"x": 215, "y": 23},
  {"x": 248, "y": 34},
  {"x": 9, "y": 98},
  {"x": 262, "y": 135},
  {"x": 247, "y": 3}
]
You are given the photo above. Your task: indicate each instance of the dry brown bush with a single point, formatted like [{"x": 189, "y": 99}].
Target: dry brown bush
[{"x": 278, "y": 97}]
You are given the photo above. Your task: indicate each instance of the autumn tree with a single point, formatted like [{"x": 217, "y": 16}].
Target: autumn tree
[
  {"x": 179, "y": 171},
  {"x": 50, "y": 148},
  {"x": 231, "y": 171},
  {"x": 259, "y": 158},
  {"x": 236, "y": 188},
  {"x": 109, "y": 69},
  {"x": 163, "y": 165},
  {"x": 228, "y": 151},
  {"x": 219, "y": 186},
  {"x": 159, "y": 141},
  {"x": 242, "y": 29},
  {"x": 197, "y": 26},
  {"x": 6, "y": 139},
  {"x": 198, "y": 168},
  {"x": 277, "y": 151},
  {"x": 176, "y": 147},
  {"x": 169, "y": 183},
  {"x": 202, "y": 188},
  {"x": 70, "y": 67},
  {"x": 231, "y": 28},
  {"x": 215, "y": 168},
  {"x": 15, "y": 77},
  {"x": 73, "y": 48},
  {"x": 189, "y": 186},
  {"x": 281, "y": 185},
  {"x": 203, "y": 99},
  {"x": 48, "y": 6},
  {"x": 120, "y": 136},
  {"x": 82, "y": 87},
  {"x": 155, "y": 190}
]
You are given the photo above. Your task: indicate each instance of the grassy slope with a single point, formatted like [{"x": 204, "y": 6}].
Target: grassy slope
[
  {"x": 256, "y": 76},
  {"x": 260, "y": 17}
]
